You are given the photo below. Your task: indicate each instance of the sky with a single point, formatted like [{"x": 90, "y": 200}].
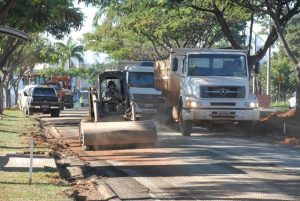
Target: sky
[{"x": 89, "y": 12}]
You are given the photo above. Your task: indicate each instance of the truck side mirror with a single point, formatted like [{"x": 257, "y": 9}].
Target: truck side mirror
[
  {"x": 175, "y": 64},
  {"x": 25, "y": 93},
  {"x": 257, "y": 67}
]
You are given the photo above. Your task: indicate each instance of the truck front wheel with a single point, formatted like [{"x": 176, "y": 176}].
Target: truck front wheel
[
  {"x": 164, "y": 114},
  {"x": 250, "y": 127},
  {"x": 55, "y": 113},
  {"x": 185, "y": 126}
]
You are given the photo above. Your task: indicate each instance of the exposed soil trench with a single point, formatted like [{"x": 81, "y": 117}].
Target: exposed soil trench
[
  {"x": 74, "y": 169},
  {"x": 83, "y": 176}
]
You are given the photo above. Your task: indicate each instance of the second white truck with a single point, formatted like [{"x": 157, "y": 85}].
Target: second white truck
[{"x": 140, "y": 81}]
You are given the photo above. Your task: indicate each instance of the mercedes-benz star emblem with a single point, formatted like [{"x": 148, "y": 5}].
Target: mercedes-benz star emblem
[
  {"x": 223, "y": 92},
  {"x": 149, "y": 98}
]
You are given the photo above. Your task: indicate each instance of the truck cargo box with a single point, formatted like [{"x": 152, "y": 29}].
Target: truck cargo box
[{"x": 162, "y": 75}]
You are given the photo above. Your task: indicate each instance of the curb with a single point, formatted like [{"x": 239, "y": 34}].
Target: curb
[
  {"x": 105, "y": 191},
  {"x": 54, "y": 131}
]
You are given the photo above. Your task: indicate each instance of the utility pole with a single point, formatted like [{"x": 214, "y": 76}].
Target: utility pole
[
  {"x": 254, "y": 76},
  {"x": 269, "y": 64}
]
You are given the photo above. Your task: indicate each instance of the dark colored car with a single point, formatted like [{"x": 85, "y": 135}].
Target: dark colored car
[
  {"x": 43, "y": 99},
  {"x": 68, "y": 99}
]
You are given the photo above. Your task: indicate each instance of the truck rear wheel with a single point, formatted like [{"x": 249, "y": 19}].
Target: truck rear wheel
[
  {"x": 185, "y": 126},
  {"x": 163, "y": 115}
]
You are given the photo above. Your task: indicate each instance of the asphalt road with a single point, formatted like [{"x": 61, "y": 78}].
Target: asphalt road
[{"x": 204, "y": 166}]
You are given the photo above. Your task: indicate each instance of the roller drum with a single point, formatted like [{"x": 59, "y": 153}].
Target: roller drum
[{"x": 118, "y": 133}]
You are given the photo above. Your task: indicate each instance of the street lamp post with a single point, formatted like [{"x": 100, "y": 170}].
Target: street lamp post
[{"x": 268, "y": 72}]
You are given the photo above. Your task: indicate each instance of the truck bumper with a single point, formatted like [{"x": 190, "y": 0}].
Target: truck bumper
[
  {"x": 148, "y": 111},
  {"x": 35, "y": 108},
  {"x": 40, "y": 107},
  {"x": 145, "y": 110},
  {"x": 221, "y": 115}
]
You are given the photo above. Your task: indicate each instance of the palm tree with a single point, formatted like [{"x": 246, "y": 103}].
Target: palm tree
[{"x": 69, "y": 50}]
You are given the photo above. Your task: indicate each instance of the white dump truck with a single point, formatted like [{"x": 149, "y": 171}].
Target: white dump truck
[{"x": 206, "y": 86}]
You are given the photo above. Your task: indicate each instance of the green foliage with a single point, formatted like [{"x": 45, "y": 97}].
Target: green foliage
[
  {"x": 283, "y": 77},
  {"x": 293, "y": 35},
  {"x": 143, "y": 30},
  {"x": 89, "y": 73},
  {"x": 283, "y": 72},
  {"x": 43, "y": 50},
  {"x": 52, "y": 71},
  {"x": 66, "y": 51},
  {"x": 56, "y": 17}
]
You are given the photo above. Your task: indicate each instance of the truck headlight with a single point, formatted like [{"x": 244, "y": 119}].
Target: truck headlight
[
  {"x": 188, "y": 104},
  {"x": 192, "y": 104},
  {"x": 251, "y": 104}
]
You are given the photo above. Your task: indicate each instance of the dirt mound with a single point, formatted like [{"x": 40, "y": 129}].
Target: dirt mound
[{"x": 284, "y": 124}]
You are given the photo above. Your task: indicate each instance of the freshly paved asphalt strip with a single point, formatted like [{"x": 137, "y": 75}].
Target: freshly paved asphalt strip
[{"x": 205, "y": 166}]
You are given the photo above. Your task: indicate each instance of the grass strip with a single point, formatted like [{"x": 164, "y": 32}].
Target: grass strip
[{"x": 15, "y": 133}]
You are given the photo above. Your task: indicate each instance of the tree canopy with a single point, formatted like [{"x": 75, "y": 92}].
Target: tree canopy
[
  {"x": 146, "y": 30},
  {"x": 53, "y": 17}
]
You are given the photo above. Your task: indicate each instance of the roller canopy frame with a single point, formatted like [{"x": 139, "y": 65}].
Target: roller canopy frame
[{"x": 14, "y": 33}]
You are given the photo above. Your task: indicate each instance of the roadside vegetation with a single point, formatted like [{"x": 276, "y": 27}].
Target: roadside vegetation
[
  {"x": 148, "y": 30},
  {"x": 14, "y": 142}
]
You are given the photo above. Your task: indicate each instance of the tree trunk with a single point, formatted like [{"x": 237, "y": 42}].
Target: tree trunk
[
  {"x": 298, "y": 92},
  {"x": 5, "y": 10},
  {"x": 7, "y": 97},
  {"x": 16, "y": 89}
]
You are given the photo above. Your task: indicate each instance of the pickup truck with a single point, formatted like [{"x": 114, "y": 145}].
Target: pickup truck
[{"x": 42, "y": 99}]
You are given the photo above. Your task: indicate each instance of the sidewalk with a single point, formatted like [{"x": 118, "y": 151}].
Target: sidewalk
[
  {"x": 14, "y": 162},
  {"x": 21, "y": 162}
]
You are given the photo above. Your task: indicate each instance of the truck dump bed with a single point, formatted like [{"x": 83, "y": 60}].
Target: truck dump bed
[{"x": 162, "y": 75}]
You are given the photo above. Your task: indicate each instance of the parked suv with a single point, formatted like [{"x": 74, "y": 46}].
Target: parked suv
[{"x": 42, "y": 99}]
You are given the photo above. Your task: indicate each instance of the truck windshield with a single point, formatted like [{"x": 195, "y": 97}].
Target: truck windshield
[
  {"x": 217, "y": 65},
  {"x": 43, "y": 92},
  {"x": 141, "y": 79},
  {"x": 56, "y": 86}
]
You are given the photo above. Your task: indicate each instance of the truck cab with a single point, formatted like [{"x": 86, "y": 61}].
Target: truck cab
[{"x": 140, "y": 81}]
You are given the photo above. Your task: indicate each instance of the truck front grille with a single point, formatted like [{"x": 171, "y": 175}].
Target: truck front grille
[
  {"x": 223, "y": 115},
  {"x": 222, "y": 104},
  {"x": 146, "y": 100},
  {"x": 222, "y": 92}
]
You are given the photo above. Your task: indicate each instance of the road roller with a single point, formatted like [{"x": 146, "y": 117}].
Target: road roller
[{"x": 112, "y": 122}]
